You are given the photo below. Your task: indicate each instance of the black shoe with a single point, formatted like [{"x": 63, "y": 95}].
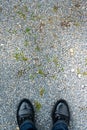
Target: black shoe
[
  {"x": 25, "y": 111},
  {"x": 61, "y": 112}
]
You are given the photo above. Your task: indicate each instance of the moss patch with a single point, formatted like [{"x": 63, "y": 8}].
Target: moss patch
[
  {"x": 21, "y": 14},
  {"x": 41, "y": 72},
  {"x": 37, "y": 105},
  {"x": 19, "y": 56},
  {"x": 42, "y": 90},
  {"x": 85, "y": 73}
]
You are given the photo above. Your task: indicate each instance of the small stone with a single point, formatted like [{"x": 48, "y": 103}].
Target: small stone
[
  {"x": 83, "y": 86},
  {"x": 79, "y": 76},
  {"x": 71, "y": 51},
  {"x": 19, "y": 26},
  {"x": 65, "y": 76},
  {"x": 2, "y": 44},
  {"x": 17, "y": 128},
  {"x": 72, "y": 70}
]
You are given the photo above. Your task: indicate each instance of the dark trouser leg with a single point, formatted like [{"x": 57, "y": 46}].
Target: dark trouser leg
[
  {"x": 60, "y": 125},
  {"x": 28, "y": 125}
]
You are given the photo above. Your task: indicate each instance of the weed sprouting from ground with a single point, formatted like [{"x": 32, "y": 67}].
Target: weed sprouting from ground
[
  {"x": 20, "y": 73},
  {"x": 20, "y": 56},
  {"x": 26, "y": 43},
  {"x": 78, "y": 71},
  {"x": 56, "y": 62},
  {"x": 27, "y": 30},
  {"x": 42, "y": 90},
  {"x": 37, "y": 48},
  {"x": 85, "y": 73},
  {"x": 38, "y": 105},
  {"x": 55, "y": 8},
  {"x": 41, "y": 72},
  {"x": 21, "y": 14}
]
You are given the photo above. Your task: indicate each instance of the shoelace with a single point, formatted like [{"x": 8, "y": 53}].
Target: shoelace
[
  {"x": 25, "y": 117},
  {"x": 61, "y": 117}
]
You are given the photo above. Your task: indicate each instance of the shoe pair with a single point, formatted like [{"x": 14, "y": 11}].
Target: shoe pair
[{"x": 60, "y": 112}]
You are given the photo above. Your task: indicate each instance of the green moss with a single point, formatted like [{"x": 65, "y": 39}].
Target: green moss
[
  {"x": 37, "y": 48},
  {"x": 85, "y": 73},
  {"x": 21, "y": 14},
  {"x": 62, "y": 69},
  {"x": 76, "y": 24},
  {"x": 48, "y": 58},
  {"x": 35, "y": 38},
  {"x": 26, "y": 43},
  {"x": 38, "y": 5},
  {"x": 24, "y": 58},
  {"x": 25, "y": 8},
  {"x": 32, "y": 76},
  {"x": 35, "y": 17},
  {"x": 32, "y": 16},
  {"x": 12, "y": 31},
  {"x": 42, "y": 90},
  {"x": 17, "y": 56},
  {"x": 41, "y": 72},
  {"x": 20, "y": 56},
  {"x": 55, "y": 8},
  {"x": 38, "y": 105},
  {"x": 54, "y": 77},
  {"x": 56, "y": 62},
  {"x": 78, "y": 71},
  {"x": 27, "y": 30}
]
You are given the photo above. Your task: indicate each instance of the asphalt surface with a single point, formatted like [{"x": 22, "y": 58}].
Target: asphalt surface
[{"x": 43, "y": 57}]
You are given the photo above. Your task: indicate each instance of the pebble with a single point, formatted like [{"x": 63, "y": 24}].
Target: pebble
[
  {"x": 2, "y": 44},
  {"x": 71, "y": 51},
  {"x": 17, "y": 128},
  {"x": 83, "y": 86},
  {"x": 79, "y": 76},
  {"x": 72, "y": 70}
]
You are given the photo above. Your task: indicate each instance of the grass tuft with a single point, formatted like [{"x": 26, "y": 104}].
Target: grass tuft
[
  {"x": 55, "y": 8},
  {"x": 37, "y": 105},
  {"x": 41, "y": 72},
  {"x": 37, "y": 48},
  {"x": 42, "y": 90},
  {"x": 56, "y": 62},
  {"x": 85, "y": 73},
  {"x": 21, "y": 14},
  {"x": 19, "y": 56},
  {"x": 27, "y": 30}
]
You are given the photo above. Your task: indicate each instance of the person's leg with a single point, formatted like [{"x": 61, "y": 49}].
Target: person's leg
[
  {"x": 60, "y": 126},
  {"x": 27, "y": 125},
  {"x": 25, "y": 115},
  {"x": 60, "y": 115}
]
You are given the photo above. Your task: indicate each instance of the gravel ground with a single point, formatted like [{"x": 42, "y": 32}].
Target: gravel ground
[{"x": 43, "y": 57}]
